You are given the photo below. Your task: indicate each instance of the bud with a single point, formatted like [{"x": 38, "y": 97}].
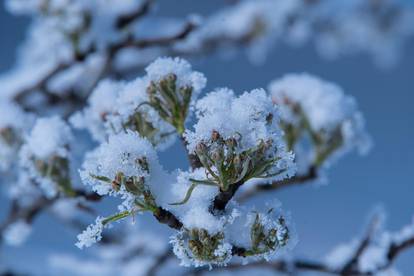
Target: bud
[
  {"x": 171, "y": 78},
  {"x": 237, "y": 160},
  {"x": 231, "y": 142},
  {"x": 217, "y": 155},
  {"x": 152, "y": 88},
  {"x": 201, "y": 148},
  {"x": 215, "y": 136}
]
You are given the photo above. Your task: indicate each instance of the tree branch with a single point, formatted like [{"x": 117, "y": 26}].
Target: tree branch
[
  {"x": 192, "y": 158},
  {"x": 312, "y": 174},
  {"x": 141, "y": 11}
]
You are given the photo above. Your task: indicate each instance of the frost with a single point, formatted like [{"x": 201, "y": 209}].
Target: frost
[
  {"x": 91, "y": 235},
  {"x": 183, "y": 71},
  {"x": 16, "y": 233},
  {"x": 250, "y": 126},
  {"x": 132, "y": 112},
  {"x": 125, "y": 166}
]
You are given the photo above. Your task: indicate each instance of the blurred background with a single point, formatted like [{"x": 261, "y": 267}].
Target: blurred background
[{"x": 324, "y": 215}]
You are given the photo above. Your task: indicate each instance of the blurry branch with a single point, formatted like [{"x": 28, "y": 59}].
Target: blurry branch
[
  {"x": 29, "y": 213},
  {"x": 111, "y": 51},
  {"x": 141, "y": 11},
  {"x": 312, "y": 174},
  {"x": 26, "y": 214},
  {"x": 352, "y": 264},
  {"x": 160, "y": 260}
]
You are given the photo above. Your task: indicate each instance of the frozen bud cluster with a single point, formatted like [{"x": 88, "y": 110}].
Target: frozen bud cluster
[
  {"x": 238, "y": 139},
  {"x": 156, "y": 106},
  {"x": 198, "y": 247},
  {"x": 319, "y": 111},
  {"x": 173, "y": 88},
  {"x": 13, "y": 123},
  {"x": 45, "y": 155},
  {"x": 245, "y": 233},
  {"x": 264, "y": 233},
  {"x": 126, "y": 166}
]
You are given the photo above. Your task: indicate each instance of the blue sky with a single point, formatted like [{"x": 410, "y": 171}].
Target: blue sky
[{"x": 324, "y": 215}]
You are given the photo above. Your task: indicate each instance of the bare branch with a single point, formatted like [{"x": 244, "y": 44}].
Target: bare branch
[
  {"x": 352, "y": 264},
  {"x": 296, "y": 180},
  {"x": 141, "y": 11}
]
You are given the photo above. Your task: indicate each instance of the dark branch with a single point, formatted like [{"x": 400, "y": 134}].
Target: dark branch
[
  {"x": 222, "y": 199},
  {"x": 166, "y": 217},
  {"x": 296, "y": 180},
  {"x": 352, "y": 264},
  {"x": 162, "y": 259},
  {"x": 141, "y": 11}
]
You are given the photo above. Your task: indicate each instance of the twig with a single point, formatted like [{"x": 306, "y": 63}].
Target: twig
[
  {"x": 296, "y": 180},
  {"x": 162, "y": 259},
  {"x": 141, "y": 11},
  {"x": 352, "y": 264}
]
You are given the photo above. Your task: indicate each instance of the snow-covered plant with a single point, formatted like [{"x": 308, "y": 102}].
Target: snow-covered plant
[
  {"x": 244, "y": 146},
  {"x": 115, "y": 69},
  {"x": 46, "y": 156},
  {"x": 14, "y": 122},
  {"x": 319, "y": 111}
]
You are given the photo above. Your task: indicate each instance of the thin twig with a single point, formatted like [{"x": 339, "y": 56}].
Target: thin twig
[{"x": 296, "y": 180}]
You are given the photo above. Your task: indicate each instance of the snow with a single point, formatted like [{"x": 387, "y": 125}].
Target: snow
[
  {"x": 164, "y": 66},
  {"x": 121, "y": 154},
  {"x": 245, "y": 117},
  {"x": 101, "y": 104},
  {"x": 91, "y": 235},
  {"x": 326, "y": 107},
  {"x": 49, "y": 136},
  {"x": 16, "y": 233}
]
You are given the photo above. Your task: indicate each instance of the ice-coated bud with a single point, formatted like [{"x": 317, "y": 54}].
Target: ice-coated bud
[
  {"x": 217, "y": 154},
  {"x": 171, "y": 78},
  {"x": 201, "y": 148},
  {"x": 215, "y": 135}
]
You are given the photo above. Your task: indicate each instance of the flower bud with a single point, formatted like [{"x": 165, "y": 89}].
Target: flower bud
[{"x": 215, "y": 136}]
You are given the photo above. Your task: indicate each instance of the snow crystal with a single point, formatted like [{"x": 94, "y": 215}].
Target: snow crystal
[
  {"x": 91, "y": 235},
  {"x": 246, "y": 117}
]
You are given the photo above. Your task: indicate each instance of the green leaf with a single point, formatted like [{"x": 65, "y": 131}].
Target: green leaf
[
  {"x": 101, "y": 178},
  {"x": 116, "y": 217},
  {"x": 187, "y": 196}
]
